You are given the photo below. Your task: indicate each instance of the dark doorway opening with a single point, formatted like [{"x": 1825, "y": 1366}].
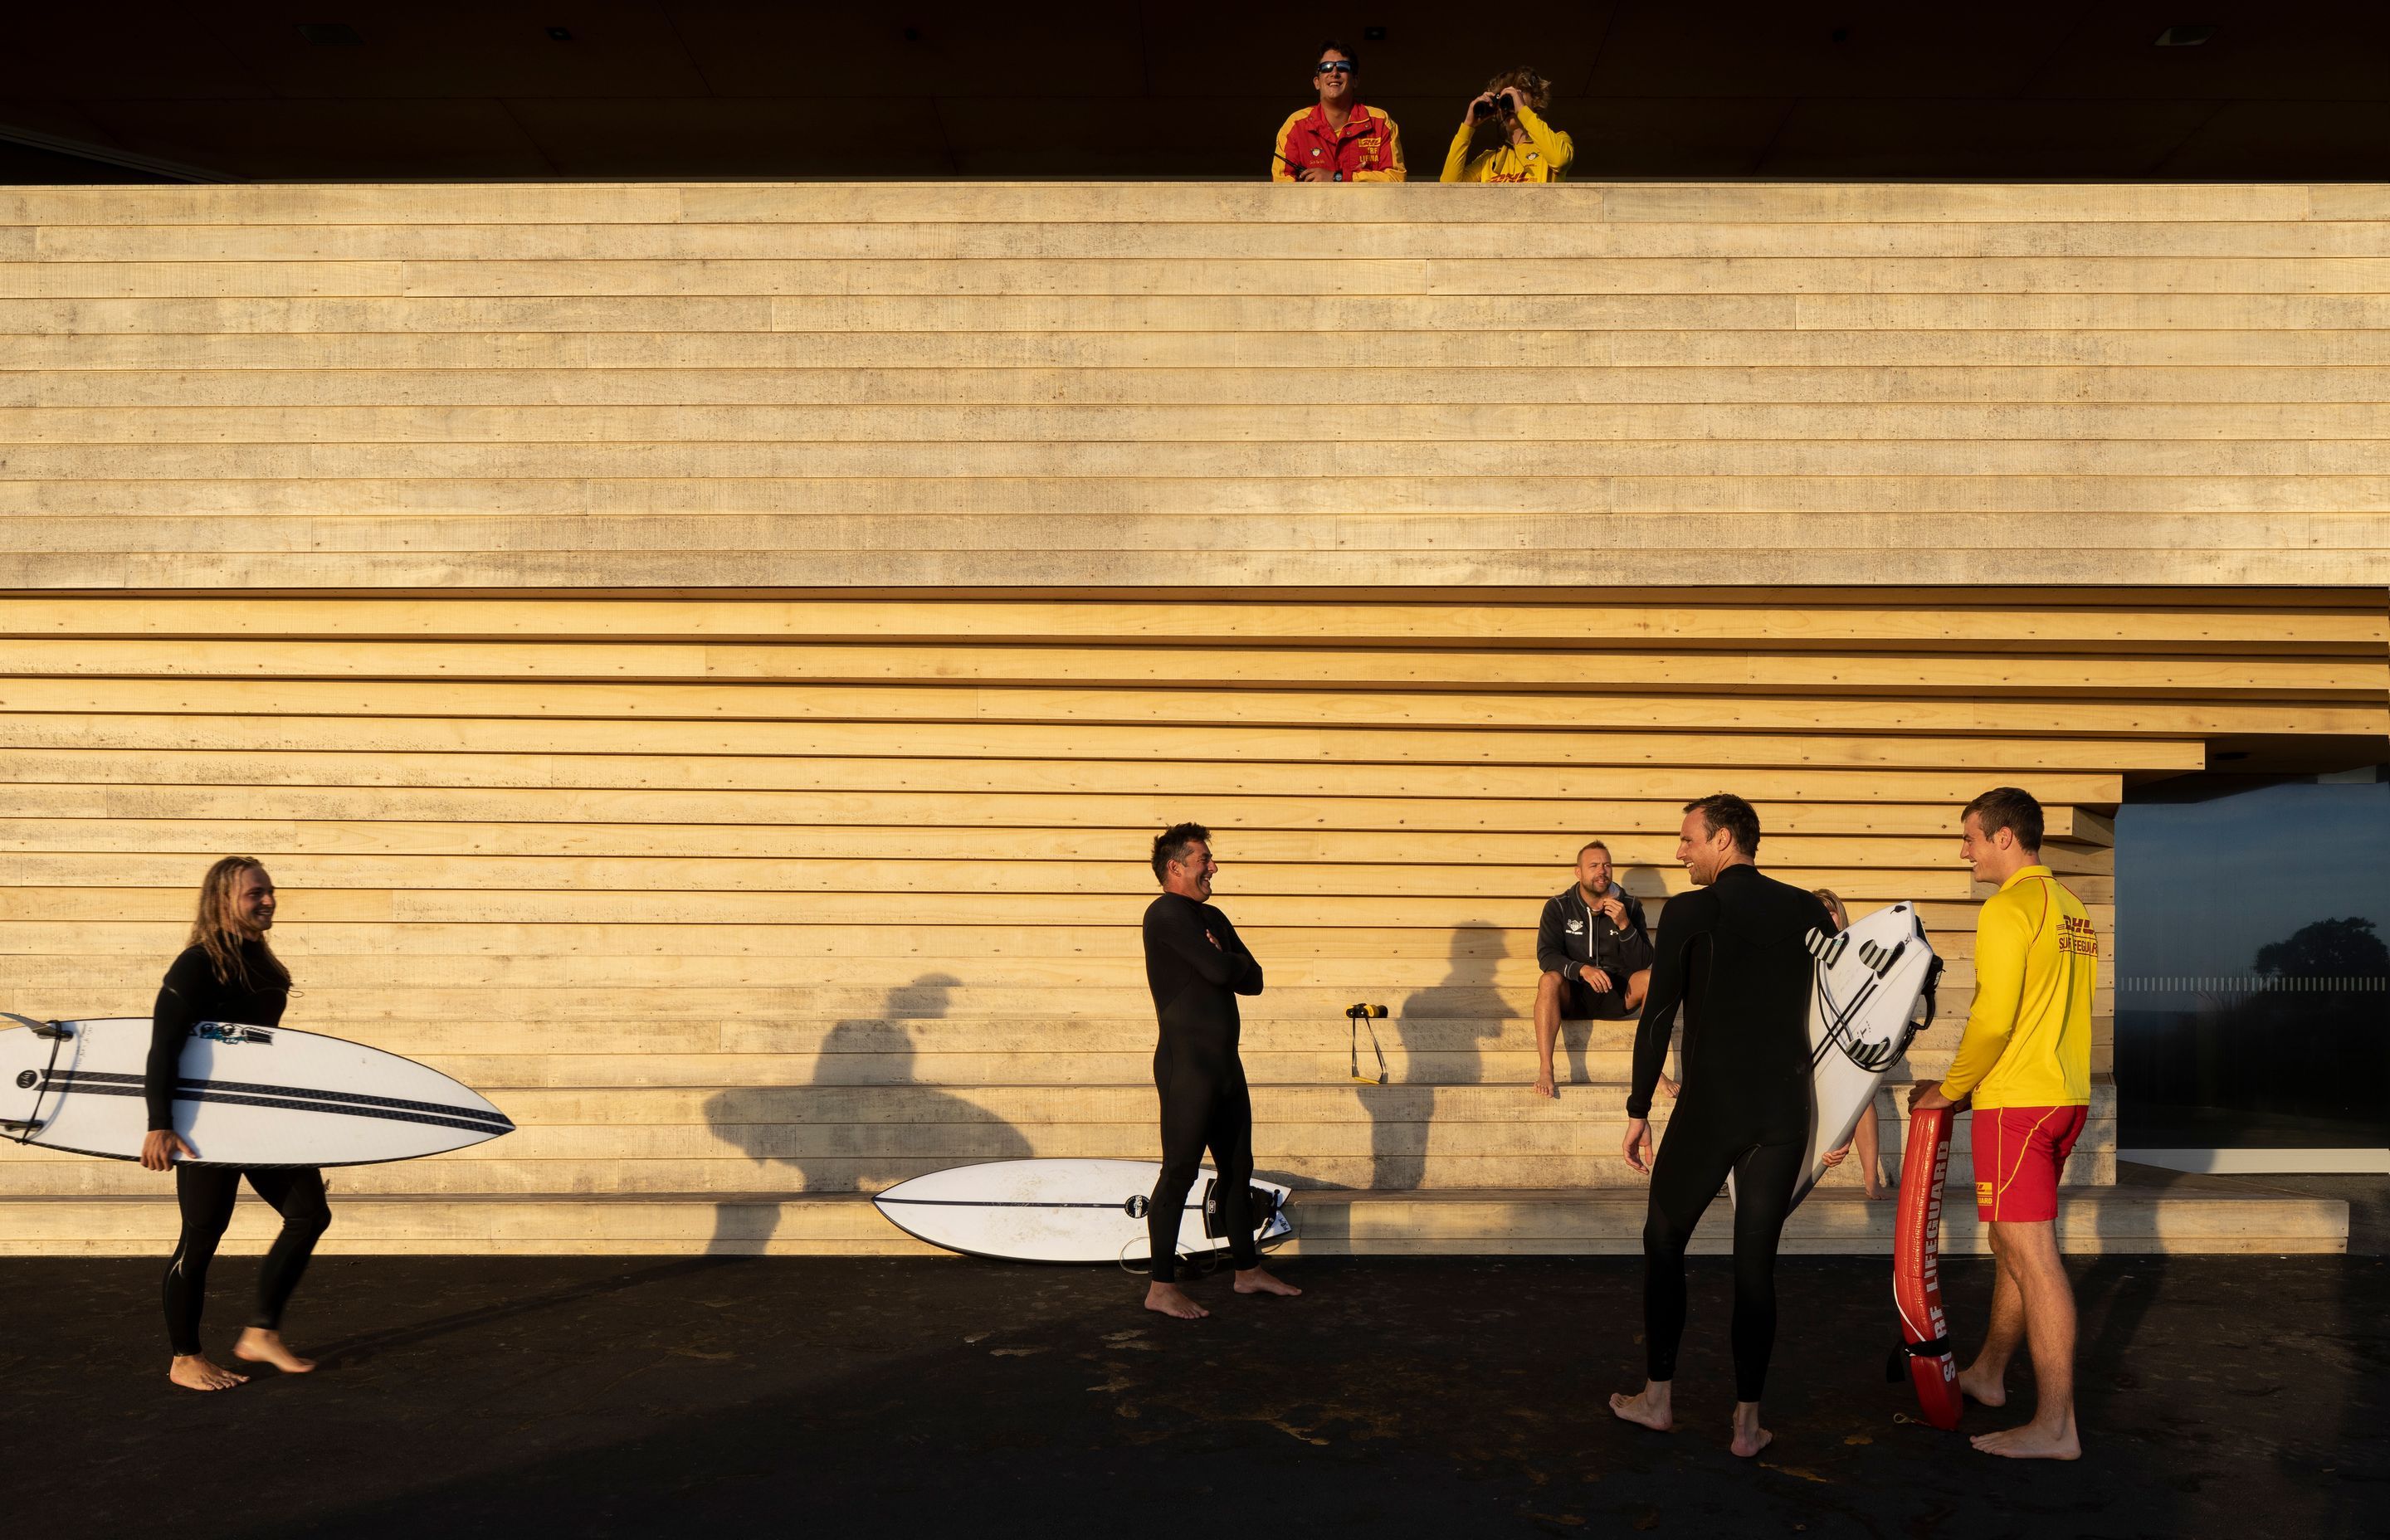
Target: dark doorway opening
[{"x": 2252, "y": 945}]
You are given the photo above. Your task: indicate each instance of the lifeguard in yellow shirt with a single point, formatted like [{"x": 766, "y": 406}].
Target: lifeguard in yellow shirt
[
  {"x": 2026, "y": 1058},
  {"x": 1525, "y": 149}
]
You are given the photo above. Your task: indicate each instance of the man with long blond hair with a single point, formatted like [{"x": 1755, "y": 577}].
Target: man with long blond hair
[{"x": 226, "y": 973}]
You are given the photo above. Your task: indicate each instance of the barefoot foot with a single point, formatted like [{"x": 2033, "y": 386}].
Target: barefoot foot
[
  {"x": 193, "y": 1372},
  {"x": 1984, "y": 1389},
  {"x": 1168, "y": 1299},
  {"x": 1253, "y": 1280},
  {"x": 1750, "y": 1438},
  {"x": 1647, "y": 1408},
  {"x": 260, "y": 1346},
  {"x": 1544, "y": 1086},
  {"x": 2032, "y": 1441}
]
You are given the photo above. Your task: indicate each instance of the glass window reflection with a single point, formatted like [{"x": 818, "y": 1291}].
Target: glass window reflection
[{"x": 2253, "y": 965}]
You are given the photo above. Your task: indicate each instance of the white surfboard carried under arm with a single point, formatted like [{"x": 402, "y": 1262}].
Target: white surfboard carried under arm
[
  {"x": 244, "y": 1095},
  {"x": 1863, "y": 1012},
  {"x": 1065, "y": 1211}
]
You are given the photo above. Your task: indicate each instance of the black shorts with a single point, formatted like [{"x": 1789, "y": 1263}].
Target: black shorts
[{"x": 1580, "y": 1003}]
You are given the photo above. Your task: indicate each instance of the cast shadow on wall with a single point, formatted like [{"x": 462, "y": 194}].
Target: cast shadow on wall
[
  {"x": 1438, "y": 1032},
  {"x": 861, "y": 1124}
]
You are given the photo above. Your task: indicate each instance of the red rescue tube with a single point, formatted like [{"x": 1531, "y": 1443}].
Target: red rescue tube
[{"x": 1917, "y": 1272}]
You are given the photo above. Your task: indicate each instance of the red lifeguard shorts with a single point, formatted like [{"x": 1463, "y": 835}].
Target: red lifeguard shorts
[{"x": 2018, "y": 1153}]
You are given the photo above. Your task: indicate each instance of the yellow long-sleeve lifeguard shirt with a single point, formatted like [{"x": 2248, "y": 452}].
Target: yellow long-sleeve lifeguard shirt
[
  {"x": 2028, "y": 1039},
  {"x": 1547, "y": 157}
]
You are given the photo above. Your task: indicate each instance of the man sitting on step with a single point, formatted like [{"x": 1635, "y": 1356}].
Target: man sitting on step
[{"x": 1595, "y": 955}]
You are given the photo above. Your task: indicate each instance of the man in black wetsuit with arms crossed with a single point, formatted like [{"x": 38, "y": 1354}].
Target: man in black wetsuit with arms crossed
[
  {"x": 1734, "y": 952},
  {"x": 1196, "y": 967}
]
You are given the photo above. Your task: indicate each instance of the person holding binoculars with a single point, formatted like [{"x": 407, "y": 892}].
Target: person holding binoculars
[{"x": 1528, "y": 148}]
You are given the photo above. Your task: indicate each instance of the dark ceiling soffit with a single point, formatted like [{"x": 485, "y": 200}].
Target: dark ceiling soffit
[{"x": 108, "y": 156}]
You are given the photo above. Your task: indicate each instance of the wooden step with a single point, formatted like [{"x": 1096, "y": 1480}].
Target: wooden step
[
  {"x": 416, "y": 990},
  {"x": 1400, "y": 1167},
  {"x": 2216, "y": 1219},
  {"x": 832, "y": 1139}
]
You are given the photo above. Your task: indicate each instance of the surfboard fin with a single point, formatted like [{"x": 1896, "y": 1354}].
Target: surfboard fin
[{"x": 1827, "y": 949}]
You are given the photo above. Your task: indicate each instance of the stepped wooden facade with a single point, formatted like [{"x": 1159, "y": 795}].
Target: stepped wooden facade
[{"x": 705, "y": 663}]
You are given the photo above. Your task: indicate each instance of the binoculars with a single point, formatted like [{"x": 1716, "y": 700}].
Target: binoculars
[{"x": 1479, "y": 111}]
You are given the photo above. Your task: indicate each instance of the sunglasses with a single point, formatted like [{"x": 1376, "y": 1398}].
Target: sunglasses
[{"x": 1342, "y": 67}]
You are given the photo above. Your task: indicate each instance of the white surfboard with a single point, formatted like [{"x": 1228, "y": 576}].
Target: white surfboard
[
  {"x": 244, "y": 1096},
  {"x": 1060, "y": 1211},
  {"x": 1863, "y": 1010}
]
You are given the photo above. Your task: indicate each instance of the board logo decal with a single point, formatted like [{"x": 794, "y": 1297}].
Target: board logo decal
[
  {"x": 221, "y": 1032},
  {"x": 26, "y": 1080}
]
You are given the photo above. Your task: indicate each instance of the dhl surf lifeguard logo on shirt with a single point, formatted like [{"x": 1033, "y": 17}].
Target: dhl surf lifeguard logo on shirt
[{"x": 2075, "y": 937}]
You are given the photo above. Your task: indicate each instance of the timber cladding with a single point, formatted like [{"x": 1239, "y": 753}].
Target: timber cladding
[
  {"x": 983, "y": 385},
  {"x": 738, "y": 897},
  {"x": 705, "y": 664}
]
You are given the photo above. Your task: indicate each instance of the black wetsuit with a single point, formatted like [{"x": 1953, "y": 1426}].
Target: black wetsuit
[
  {"x": 1196, "y": 1069},
  {"x": 193, "y": 994},
  {"x": 1735, "y": 954}
]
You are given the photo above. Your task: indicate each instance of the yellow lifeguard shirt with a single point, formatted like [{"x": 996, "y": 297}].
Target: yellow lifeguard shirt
[
  {"x": 2028, "y": 1038},
  {"x": 1546, "y": 157}
]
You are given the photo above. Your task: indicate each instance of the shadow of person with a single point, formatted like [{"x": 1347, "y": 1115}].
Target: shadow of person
[
  {"x": 1438, "y": 1029},
  {"x": 850, "y": 1129}
]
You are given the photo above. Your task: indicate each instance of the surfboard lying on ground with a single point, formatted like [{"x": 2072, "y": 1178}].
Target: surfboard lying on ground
[
  {"x": 1063, "y": 1210},
  {"x": 1916, "y": 1271},
  {"x": 244, "y": 1095}
]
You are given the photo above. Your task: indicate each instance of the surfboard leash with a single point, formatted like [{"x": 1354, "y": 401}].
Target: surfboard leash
[{"x": 1204, "y": 1263}]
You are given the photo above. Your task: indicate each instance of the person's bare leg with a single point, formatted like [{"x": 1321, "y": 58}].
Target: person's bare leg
[
  {"x": 1256, "y": 1280},
  {"x": 2041, "y": 1272},
  {"x": 1649, "y": 1407},
  {"x": 194, "y": 1371},
  {"x": 1637, "y": 985},
  {"x": 1547, "y": 1031},
  {"x": 1750, "y": 1438},
  {"x": 1168, "y": 1299},
  {"x": 1870, "y": 1149},
  {"x": 260, "y": 1346},
  {"x": 1986, "y": 1379}
]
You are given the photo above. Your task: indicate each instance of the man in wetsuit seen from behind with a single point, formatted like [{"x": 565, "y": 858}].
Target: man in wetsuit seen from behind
[
  {"x": 1197, "y": 967},
  {"x": 1734, "y": 954}
]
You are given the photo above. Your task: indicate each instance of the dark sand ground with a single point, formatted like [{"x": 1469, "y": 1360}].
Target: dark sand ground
[{"x": 1458, "y": 1396}]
